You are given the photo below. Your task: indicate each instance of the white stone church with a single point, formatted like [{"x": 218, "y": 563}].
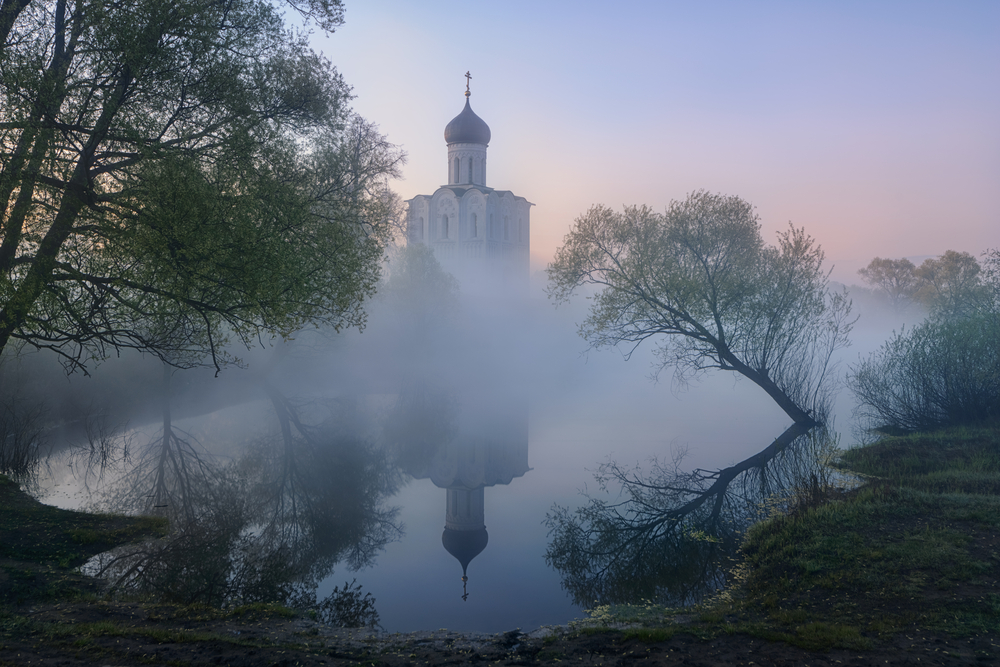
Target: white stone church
[{"x": 479, "y": 234}]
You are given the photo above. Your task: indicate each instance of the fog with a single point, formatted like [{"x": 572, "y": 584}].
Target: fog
[{"x": 495, "y": 392}]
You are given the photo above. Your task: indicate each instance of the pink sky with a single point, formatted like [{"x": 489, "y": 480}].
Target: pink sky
[{"x": 876, "y": 126}]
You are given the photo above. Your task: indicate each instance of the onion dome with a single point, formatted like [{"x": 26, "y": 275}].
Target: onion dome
[
  {"x": 467, "y": 128},
  {"x": 464, "y": 545}
]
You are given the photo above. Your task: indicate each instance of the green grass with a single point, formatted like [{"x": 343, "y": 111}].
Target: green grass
[
  {"x": 41, "y": 546},
  {"x": 913, "y": 548},
  {"x": 46, "y": 535}
]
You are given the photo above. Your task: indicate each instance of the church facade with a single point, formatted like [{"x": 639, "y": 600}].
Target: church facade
[{"x": 479, "y": 234}]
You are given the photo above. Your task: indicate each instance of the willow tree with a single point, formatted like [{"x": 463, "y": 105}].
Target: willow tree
[
  {"x": 700, "y": 283},
  {"x": 179, "y": 175}
]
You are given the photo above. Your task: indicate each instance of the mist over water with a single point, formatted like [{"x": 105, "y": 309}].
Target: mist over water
[{"x": 494, "y": 393}]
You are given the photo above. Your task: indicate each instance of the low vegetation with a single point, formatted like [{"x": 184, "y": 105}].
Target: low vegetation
[
  {"x": 41, "y": 546},
  {"x": 913, "y": 551},
  {"x": 941, "y": 373}
]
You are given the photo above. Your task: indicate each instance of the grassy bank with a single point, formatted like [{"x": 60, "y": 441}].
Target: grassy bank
[
  {"x": 913, "y": 551},
  {"x": 42, "y": 546}
]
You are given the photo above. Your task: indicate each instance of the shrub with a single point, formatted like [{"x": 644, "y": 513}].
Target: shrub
[
  {"x": 349, "y": 608},
  {"x": 939, "y": 374}
]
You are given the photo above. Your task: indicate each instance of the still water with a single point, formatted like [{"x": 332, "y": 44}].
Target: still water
[{"x": 524, "y": 418}]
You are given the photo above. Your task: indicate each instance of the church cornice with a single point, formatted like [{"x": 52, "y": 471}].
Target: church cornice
[{"x": 460, "y": 190}]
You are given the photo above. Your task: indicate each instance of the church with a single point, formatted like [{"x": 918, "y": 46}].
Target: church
[{"x": 479, "y": 234}]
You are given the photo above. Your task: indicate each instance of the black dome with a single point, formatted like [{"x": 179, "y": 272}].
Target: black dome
[
  {"x": 464, "y": 544},
  {"x": 467, "y": 128}
]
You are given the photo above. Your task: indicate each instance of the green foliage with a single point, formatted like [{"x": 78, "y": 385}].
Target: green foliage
[
  {"x": 942, "y": 373},
  {"x": 176, "y": 176},
  {"x": 700, "y": 279},
  {"x": 949, "y": 285},
  {"x": 421, "y": 296}
]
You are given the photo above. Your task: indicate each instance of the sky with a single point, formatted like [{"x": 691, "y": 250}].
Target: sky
[{"x": 873, "y": 125}]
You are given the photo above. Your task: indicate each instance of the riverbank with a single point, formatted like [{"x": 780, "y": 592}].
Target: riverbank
[{"x": 903, "y": 570}]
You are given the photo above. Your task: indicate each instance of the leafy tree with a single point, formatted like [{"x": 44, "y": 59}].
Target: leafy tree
[
  {"x": 176, "y": 175},
  {"x": 991, "y": 280},
  {"x": 894, "y": 278},
  {"x": 950, "y": 284},
  {"x": 701, "y": 282},
  {"x": 421, "y": 295}
]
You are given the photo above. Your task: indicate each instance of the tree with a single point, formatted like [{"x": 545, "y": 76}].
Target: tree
[
  {"x": 700, "y": 281},
  {"x": 176, "y": 175},
  {"x": 991, "y": 280},
  {"x": 950, "y": 284},
  {"x": 895, "y": 278}
]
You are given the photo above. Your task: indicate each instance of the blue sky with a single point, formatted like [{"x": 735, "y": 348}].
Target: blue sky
[{"x": 872, "y": 124}]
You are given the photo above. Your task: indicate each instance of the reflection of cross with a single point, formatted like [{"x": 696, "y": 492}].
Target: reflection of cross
[{"x": 468, "y": 79}]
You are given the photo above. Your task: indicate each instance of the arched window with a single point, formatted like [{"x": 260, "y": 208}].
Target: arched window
[
  {"x": 421, "y": 231},
  {"x": 444, "y": 226},
  {"x": 473, "y": 231},
  {"x": 506, "y": 228},
  {"x": 470, "y": 170},
  {"x": 457, "y": 173},
  {"x": 491, "y": 232},
  {"x": 520, "y": 230}
]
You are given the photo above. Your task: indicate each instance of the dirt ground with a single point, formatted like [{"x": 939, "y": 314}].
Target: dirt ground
[{"x": 124, "y": 634}]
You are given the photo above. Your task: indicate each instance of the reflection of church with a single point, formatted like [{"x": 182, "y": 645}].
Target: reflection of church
[
  {"x": 479, "y": 234},
  {"x": 488, "y": 448}
]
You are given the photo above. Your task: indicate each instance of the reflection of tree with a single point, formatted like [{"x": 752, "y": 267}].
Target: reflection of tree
[
  {"x": 320, "y": 489},
  {"x": 654, "y": 543},
  {"x": 20, "y": 438},
  {"x": 173, "y": 477},
  {"x": 701, "y": 282},
  {"x": 267, "y": 527}
]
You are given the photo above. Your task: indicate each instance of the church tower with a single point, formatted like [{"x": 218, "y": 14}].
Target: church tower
[{"x": 479, "y": 234}]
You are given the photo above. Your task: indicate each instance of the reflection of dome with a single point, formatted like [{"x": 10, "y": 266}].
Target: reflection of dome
[
  {"x": 464, "y": 544},
  {"x": 467, "y": 128}
]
